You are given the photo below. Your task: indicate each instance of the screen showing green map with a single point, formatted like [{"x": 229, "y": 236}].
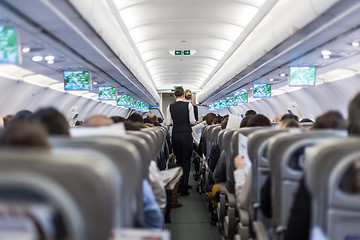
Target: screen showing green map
[
  {"x": 8, "y": 46},
  {"x": 121, "y": 100},
  {"x": 230, "y": 101},
  {"x": 138, "y": 105},
  {"x": 241, "y": 98},
  {"x": 133, "y": 103},
  {"x": 217, "y": 105},
  {"x": 302, "y": 76},
  {"x": 262, "y": 90},
  {"x": 222, "y": 103},
  {"x": 77, "y": 80},
  {"x": 107, "y": 93},
  {"x": 212, "y": 107}
]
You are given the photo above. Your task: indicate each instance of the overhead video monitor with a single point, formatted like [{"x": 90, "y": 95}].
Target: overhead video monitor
[
  {"x": 262, "y": 90},
  {"x": 223, "y": 103},
  {"x": 133, "y": 103},
  {"x": 230, "y": 101},
  {"x": 121, "y": 100},
  {"x": 8, "y": 45},
  {"x": 241, "y": 98},
  {"x": 107, "y": 93},
  {"x": 212, "y": 107},
  {"x": 138, "y": 105},
  {"x": 128, "y": 101},
  {"x": 217, "y": 105},
  {"x": 302, "y": 76},
  {"x": 77, "y": 80},
  {"x": 143, "y": 108}
]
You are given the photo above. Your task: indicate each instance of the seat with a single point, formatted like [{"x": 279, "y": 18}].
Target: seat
[
  {"x": 128, "y": 163},
  {"x": 214, "y": 135},
  {"x": 208, "y": 141},
  {"x": 330, "y": 176},
  {"x": 64, "y": 179},
  {"x": 285, "y": 156}
]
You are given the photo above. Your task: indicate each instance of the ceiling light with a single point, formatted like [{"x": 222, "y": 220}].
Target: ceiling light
[
  {"x": 355, "y": 43},
  {"x": 282, "y": 75},
  {"x": 326, "y": 52},
  {"x": 49, "y": 58},
  {"x": 244, "y": 90},
  {"x": 37, "y": 58},
  {"x": 94, "y": 83},
  {"x": 271, "y": 79},
  {"x": 326, "y": 57},
  {"x": 26, "y": 50},
  {"x": 50, "y": 61},
  {"x": 251, "y": 88}
]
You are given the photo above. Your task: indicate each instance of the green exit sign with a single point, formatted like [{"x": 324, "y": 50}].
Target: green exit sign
[
  {"x": 178, "y": 52},
  {"x": 186, "y": 52}
]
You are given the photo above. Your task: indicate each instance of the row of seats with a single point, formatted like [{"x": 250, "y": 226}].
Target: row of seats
[
  {"x": 279, "y": 154},
  {"x": 94, "y": 182}
]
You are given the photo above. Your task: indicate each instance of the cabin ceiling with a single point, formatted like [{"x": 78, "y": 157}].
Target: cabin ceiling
[{"x": 208, "y": 28}]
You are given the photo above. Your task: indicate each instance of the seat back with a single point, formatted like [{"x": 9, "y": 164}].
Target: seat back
[
  {"x": 81, "y": 185},
  {"x": 330, "y": 177},
  {"x": 220, "y": 138},
  {"x": 286, "y": 158},
  {"x": 128, "y": 163},
  {"x": 208, "y": 141},
  {"x": 214, "y": 135}
]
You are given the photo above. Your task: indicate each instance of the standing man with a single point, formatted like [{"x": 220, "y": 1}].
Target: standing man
[{"x": 181, "y": 115}]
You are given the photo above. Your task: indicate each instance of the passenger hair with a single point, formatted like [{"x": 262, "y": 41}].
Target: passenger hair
[
  {"x": 160, "y": 120},
  {"x": 98, "y": 121},
  {"x": 288, "y": 123},
  {"x": 79, "y": 123},
  {"x": 330, "y": 119},
  {"x": 188, "y": 94},
  {"x": 258, "y": 120},
  {"x": 117, "y": 119},
  {"x": 209, "y": 118},
  {"x": 21, "y": 116},
  {"x": 54, "y": 121},
  {"x": 289, "y": 116},
  {"x": 179, "y": 91},
  {"x": 135, "y": 117},
  {"x": 217, "y": 119},
  {"x": 354, "y": 116},
  {"x": 25, "y": 134},
  {"x": 224, "y": 122},
  {"x": 250, "y": 113},
  {"x": 131, "y": 126},
  {"x": 245, "y": 121}
]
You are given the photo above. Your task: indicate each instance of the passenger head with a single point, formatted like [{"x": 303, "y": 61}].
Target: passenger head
[
  {"x": 209, "y": 118},
  {"x": 7, "y": 119},
  {"x": 117, "y": 119},
  {"x": 277, "y": 118},
  {"x": 288, "y": 123},
  {"x": 22, "y": 115},
  {"x": 224, "y": 122},
  {"x": 160, "y": 120},
  {"x": 98, "y": 121},
  {"x": 289, "y": 116},
  {"x": 354, "y": 116},
  {"x": 188, "y": 94},
  {"x": 179, "y": 92},
  {"x": 245, "y": 121},
  {"x": 53, "y": 121},
  {"x": 25, "y": 134},
  {"x": 250, "y": 113},
  {"x": 131, "y": 126},
  {"x": 258, "y": 120},
  {"x": 330, "y": 119},
  {"x": 135, "y": 117},
  {"x": 79, "y": 123},
  {"x": 217, "y": 120}
]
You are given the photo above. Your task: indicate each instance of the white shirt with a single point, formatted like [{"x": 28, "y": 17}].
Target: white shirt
[
  {"x": 243, "y": 179},
  {"x": 169, "y": 121}
]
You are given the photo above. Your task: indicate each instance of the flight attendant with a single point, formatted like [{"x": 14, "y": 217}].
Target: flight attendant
[
  {"x": 181, "y": 115},
  {"x": 188, "y": 98}
]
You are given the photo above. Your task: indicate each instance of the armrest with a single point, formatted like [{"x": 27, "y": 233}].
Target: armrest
[
  {"x": 244, "y": 216},
  {"x": 231, "y": 199},
  {"x": 260, "y": 231},
  {"x": 223, "y": 189}
]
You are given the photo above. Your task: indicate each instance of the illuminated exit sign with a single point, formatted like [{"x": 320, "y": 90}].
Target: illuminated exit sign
[
  {"x": 182, "y": 52},
  {"x": 186, "y": 52},
  {"x": 178, "y": 52}
]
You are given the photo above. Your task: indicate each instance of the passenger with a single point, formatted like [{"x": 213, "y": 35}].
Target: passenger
[
  {"x": 79, "y": 123},
  {"x": 54, "y": 121},
  {"x": 131, "y": 126},
  {"x": 117, "y": 119},
  {"x": 98, "y": 121},
  {"x": 188, "y": 98},
  {"x": 21, "y": 115},
  {"x": 289, "y": 116},
  {"x": 277, "y": 117},
  {"x": 135, "y": 117},
  {"x": 217, "y": 120},
  {"x": 250, "y": 113},
  {"x": 153, "y": 119},
  {"x": 7, "y": 119},
  {"x": 181, "y": 115},
  {"x": 258, "y": 120},
  {"x": 209, "y": 118},
  {"x": 245, "y": 121},
  {"x": 300, "y": 215},
  {"x": 288, "y": 123},
  {"x": 25, "y": 134}
]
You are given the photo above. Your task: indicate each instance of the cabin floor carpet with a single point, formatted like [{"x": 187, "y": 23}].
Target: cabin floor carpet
[{"x": 192, "y": 220}]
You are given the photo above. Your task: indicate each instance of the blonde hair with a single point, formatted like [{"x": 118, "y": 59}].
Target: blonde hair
[{"x": 188, "y": 94}]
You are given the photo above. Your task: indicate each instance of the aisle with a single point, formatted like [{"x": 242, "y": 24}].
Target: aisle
[{"x": 191, "y": 221}]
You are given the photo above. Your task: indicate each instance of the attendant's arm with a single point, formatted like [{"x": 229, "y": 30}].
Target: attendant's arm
[
  {"x": 191, "y": 114},
  {"x": 168, "y": 116}
]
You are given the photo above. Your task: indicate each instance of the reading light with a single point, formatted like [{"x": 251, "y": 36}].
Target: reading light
[
  {"x": 49, "y": 58},
  {"x": 37, "y": 58},
  {"x": 94, "y": 83},
  {"x": 50, "y": 62},
  {"x": 355, "y": 43},
  {"x": 271, "y": 79},
  {"x": 282, "y": 75},
  {"x": 26, "y": 50},
  {"x": 326, "y": 57},
  {"x": 244, "y": 90},
  {"x": 326, "y": 52}
]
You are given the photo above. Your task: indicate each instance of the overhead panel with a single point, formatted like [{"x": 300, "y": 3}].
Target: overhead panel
[{"x": 200, "y": 33}]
